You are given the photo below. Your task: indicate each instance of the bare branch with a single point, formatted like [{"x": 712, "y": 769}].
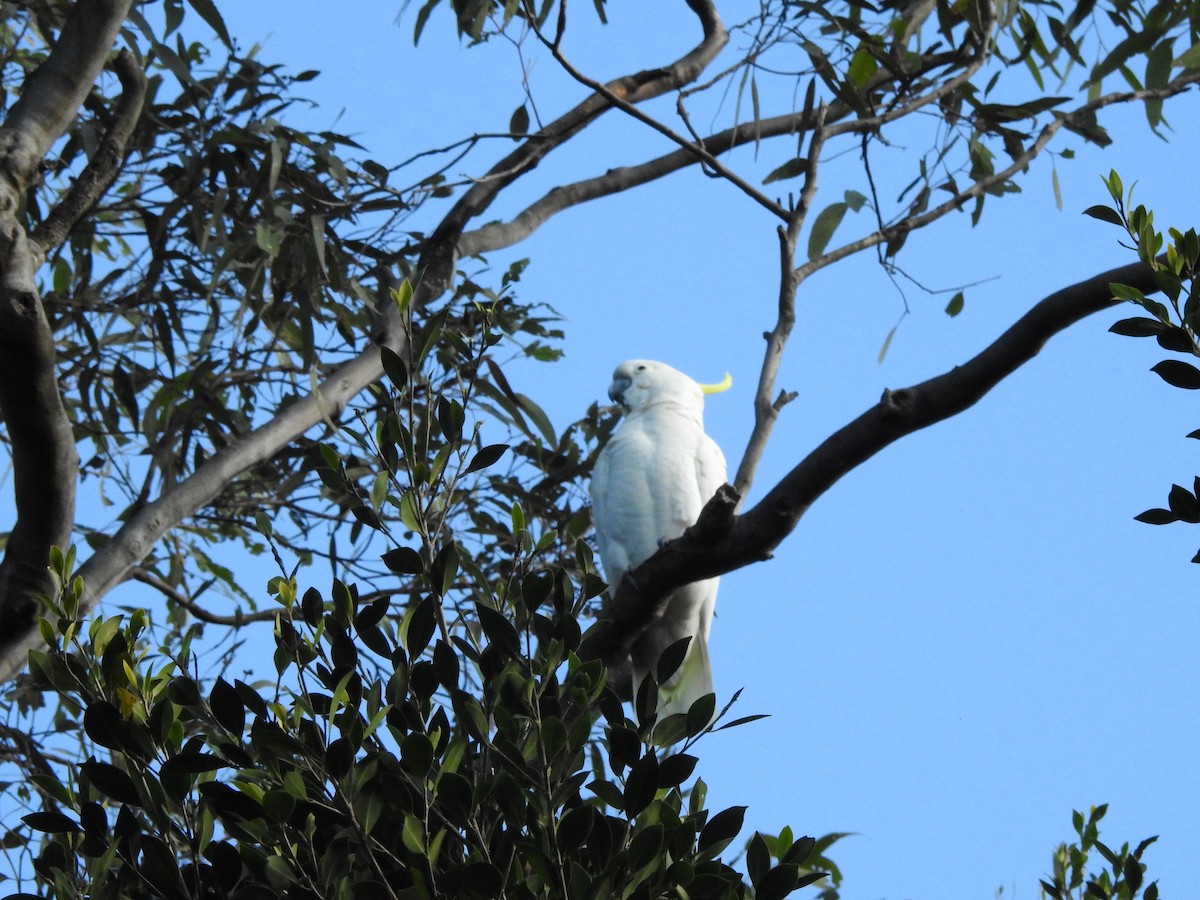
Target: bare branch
[
  {"x": 708, "y": 550},
  {"x": 696, "y": 149},
  {"x": 766, "y": 409},
  {"x": 496, "y": 235},
  {"x": 238, "y": 618}
]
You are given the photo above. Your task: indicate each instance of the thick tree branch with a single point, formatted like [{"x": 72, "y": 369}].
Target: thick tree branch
[
  {"x": 721, "y": 542},
  {"x": 45, "y": 461},
  {"x": 43, "y": 444}
]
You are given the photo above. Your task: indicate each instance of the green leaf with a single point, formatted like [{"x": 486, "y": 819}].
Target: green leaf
[
  {"x": 1178, "y": 374},
  {"x": 671, "y": 659},
  {"x": 518, "y": 123},
  {"x": 1104, "y": 214},
  {"x": 1157, "y": 517},
  {"x": 227, "y": 707},
  {"x": 1189, "y": 58},
  {"x": 422, "y": 17},
  {"x": 855, "y": 200},
  {"x": 485, "y": 457},
  {"x": 1125, "y": 292},
  {"x": 955, "y": 306},
  {"x": 1175, "y": 339},
  {"x": 862, "y": 66},
  {"x": 758, "y": 860},
  {"x": 641, "y": 783},
  {"x": 720, "y": 830},
  {"x": 450, "y": 418},
  {"x": 780, "y": 881},
  {"x": 744, "y": 720},
  {"x": 394, "y": 367},
  {"x": 790, "y": 169},
  {"x": 539, "y": 418},
  {"x": 111, "y": 781},
  {"x": 192, "y": 763},
  {"x": 402, "y": 295},
  {"x": 208, "y": 12},
  {"x": 499, "y": 630},
  {"x": 1116, "y": 189},
  {"x": 823, "y": 228},
  {"x": 675, "y": 770},
  {"x": 887, "y": 343},
  {"x": 1158, "y": 73},
  {"x": 1139, "y": 326},
  {"x": 269, "y": 240},
  {"x": 51, "y": 822},
  {"x": 404, "y": 561}
]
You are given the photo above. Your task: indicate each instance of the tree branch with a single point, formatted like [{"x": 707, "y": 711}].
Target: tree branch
[
  {"x": 104, "y": 166},
  {"x": 766, "y": 408},
  {"x": 238, "y": 618},
  {"x": 983, "y": 185},
  {"x": 53, "y": 93},
  {"x": 721, "y": 542},
  {"x": 629, "y": 89},
  {"x": 43, "y": 445}
]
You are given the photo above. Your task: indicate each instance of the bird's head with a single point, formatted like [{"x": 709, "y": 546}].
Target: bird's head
[{"x": 639, "y": 383}]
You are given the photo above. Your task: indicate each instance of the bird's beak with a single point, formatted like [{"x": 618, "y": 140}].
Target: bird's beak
[{"x": 616, "y": 390}]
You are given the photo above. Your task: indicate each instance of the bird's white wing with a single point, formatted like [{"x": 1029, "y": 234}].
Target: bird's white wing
[{"x": 648, "y": 485}]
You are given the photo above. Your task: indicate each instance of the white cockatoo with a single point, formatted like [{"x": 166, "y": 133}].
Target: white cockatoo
[{"x": 649, "y": 484}]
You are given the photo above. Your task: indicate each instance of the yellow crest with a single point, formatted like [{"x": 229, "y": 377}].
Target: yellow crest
[{"x": 723, "y": 385}]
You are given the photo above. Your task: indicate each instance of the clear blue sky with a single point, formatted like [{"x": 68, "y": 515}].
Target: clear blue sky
[{"x": 969, "y": 636}]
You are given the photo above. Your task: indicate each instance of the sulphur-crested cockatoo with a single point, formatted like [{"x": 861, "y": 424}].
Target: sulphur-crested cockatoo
[{"x": 649, "y": 484}]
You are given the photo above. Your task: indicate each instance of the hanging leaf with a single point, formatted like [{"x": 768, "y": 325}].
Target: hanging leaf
[
  {"x": 208, "y": 12},
  {"x": 887, "y": 343}
]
